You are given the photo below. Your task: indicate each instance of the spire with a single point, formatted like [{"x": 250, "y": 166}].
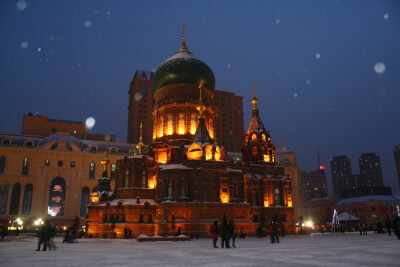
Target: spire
[
  {"x": 140, "y": 145},
  {"x": 201, "y": 107},
  {"x": 183, "y": 46},
  {"x": 105, "y": 161},
  {"x": 255, "y": 100},
  {"x": 202, "y": 135},
  {"x": 255, "y": 124}
]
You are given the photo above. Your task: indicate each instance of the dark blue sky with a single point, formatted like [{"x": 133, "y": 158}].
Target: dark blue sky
[{"x": 312, "y": 62}]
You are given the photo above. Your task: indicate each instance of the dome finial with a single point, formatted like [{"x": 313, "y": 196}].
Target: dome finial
[
  {"x": 105, "y": 161},
  {"x": 201, "y": 107},
  {"x": 183, "y": 46},
  {"x": 255, "y": 100}
]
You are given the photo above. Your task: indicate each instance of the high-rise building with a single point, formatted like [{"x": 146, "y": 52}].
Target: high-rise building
[
  {"x": 228, "y": 120},
  {"x": 341, "y": 174},
  {"x": 228, "y": 115},
  {"x": 370, "y": 170},
  {"x": 397, "y": 161},
  {"x": 140, "y": 107},
  {"x": 314, "y": 184}
]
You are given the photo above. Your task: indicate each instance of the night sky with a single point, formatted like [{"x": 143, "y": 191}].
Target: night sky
[{"x": 327, "y": 73}]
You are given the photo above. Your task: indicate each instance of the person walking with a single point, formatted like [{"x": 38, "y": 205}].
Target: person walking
[
  {"x": 214, "y": 233},
  {"x": 224, "y": 231},
  {"x": 275, "y": 231}
]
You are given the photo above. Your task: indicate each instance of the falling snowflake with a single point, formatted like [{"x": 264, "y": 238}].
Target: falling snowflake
[
  {"x": 228, "y": 66},
  {"x": 39, "y": 49},
  {"x": 295, "y": 95},
  {"x": 386, "y": 16},
  {"x": 21, "y": 5},
  {"x": 308, "y": 82},
  {"x": 277, "y": 21},
  {"x": 138, "y": 96},
  {"x": 317, "y": 56},
  {"x": 24, "y": 45},
  {"x": 87, "y": 24},
  {"x": 379, "y": 68},
  {"x": 51, "y": 38}
]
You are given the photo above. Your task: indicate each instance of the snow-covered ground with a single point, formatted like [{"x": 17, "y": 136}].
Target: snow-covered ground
[{"x": 308, "y": 250}]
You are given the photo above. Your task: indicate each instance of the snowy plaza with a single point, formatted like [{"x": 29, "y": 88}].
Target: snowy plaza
[{"x": 349, "y": 249}]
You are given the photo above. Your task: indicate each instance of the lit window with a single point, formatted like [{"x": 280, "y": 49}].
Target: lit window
[
  {"x": 254, "y": 137},
  {"x": 161, "y": 127},
  {"x": 193, "y": 124},
  {"x": 170, "y": 129},
  {"x": 181, "y": 125},
  {"x": 25, "y": 166},
  {"x": 92, "y": 170},
  {"x": 72, "y": 164},
  {"x": 47, "y": 162}
]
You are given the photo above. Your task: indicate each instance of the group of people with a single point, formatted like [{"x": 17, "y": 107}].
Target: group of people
[
  {"x": 46, "y": 233},
  {"x": 226, "y": 231}
]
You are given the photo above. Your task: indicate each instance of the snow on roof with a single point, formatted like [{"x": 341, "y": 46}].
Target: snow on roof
[
  {"x": 173, "y": 166},
  {"x": 345, "y": 216},
  {"x": 130, "y": 201},
  {"x": 366, "y": 198},
  {"x": 233, "y": 170},
  {"x": 139, "y": 157}
]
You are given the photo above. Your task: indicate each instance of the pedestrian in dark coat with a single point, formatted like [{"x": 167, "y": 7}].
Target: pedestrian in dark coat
[
  {"x": 224, "y": 231},
  {"x": 274, "y": 229},
  {"x": 214, "y": 233},
  {"x": 44, "y": 235}
]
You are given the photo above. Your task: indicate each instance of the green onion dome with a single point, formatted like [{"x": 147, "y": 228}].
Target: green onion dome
[{"x": 183, "y": 67}]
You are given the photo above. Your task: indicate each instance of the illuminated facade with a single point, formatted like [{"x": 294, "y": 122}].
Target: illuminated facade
[
  {"x": 51, "y": 177},
  {"x": 184, "y": 180}
]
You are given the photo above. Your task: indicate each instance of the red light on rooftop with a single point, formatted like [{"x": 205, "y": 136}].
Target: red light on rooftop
[{"x": 322, "y": 167}]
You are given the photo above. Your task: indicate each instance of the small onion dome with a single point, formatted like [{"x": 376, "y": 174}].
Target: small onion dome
[{"x": 183, "y": 67}]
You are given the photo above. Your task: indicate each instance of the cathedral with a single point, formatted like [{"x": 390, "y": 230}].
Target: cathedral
[{"x": 184, "y": 180}]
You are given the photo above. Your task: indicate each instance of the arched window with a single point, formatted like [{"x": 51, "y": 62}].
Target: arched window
[
  {"x": 277, "y": 197},
  {"x": 29, "y": 144},
  {"x": 160, "y": 127},
  {"x": 181, "y": 124},
  {"x": 6, "y": 142},
  {"x": 126, "y": 179},
  {"x": 253, "y": 137},
  {"x": 150, "y": 219},
  {"x": 193, "y": 125},
  {"x": 170, "y": 190},
  {"x": 141, "y": 218},
  {"x": 3, "y": 198},
  {"x": 2, "y": 164},
  {"x": 84, "y": 200},
  {"x": 183, "y": 189},
  {"x": 27, "y": 202},
  {"x": 170, "y": 125},
  {"x": 93, "y": 149},
  {"x": 144, "y": 179},
  {"x": 15, "y": 197},
  {"x": 25, "y": 166},
  {"x": 263, "y": 137},
  {"x": 57, "y": 194},
  {"x": 92, "y": 170},
  {"x": 114, "y": 150}
]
